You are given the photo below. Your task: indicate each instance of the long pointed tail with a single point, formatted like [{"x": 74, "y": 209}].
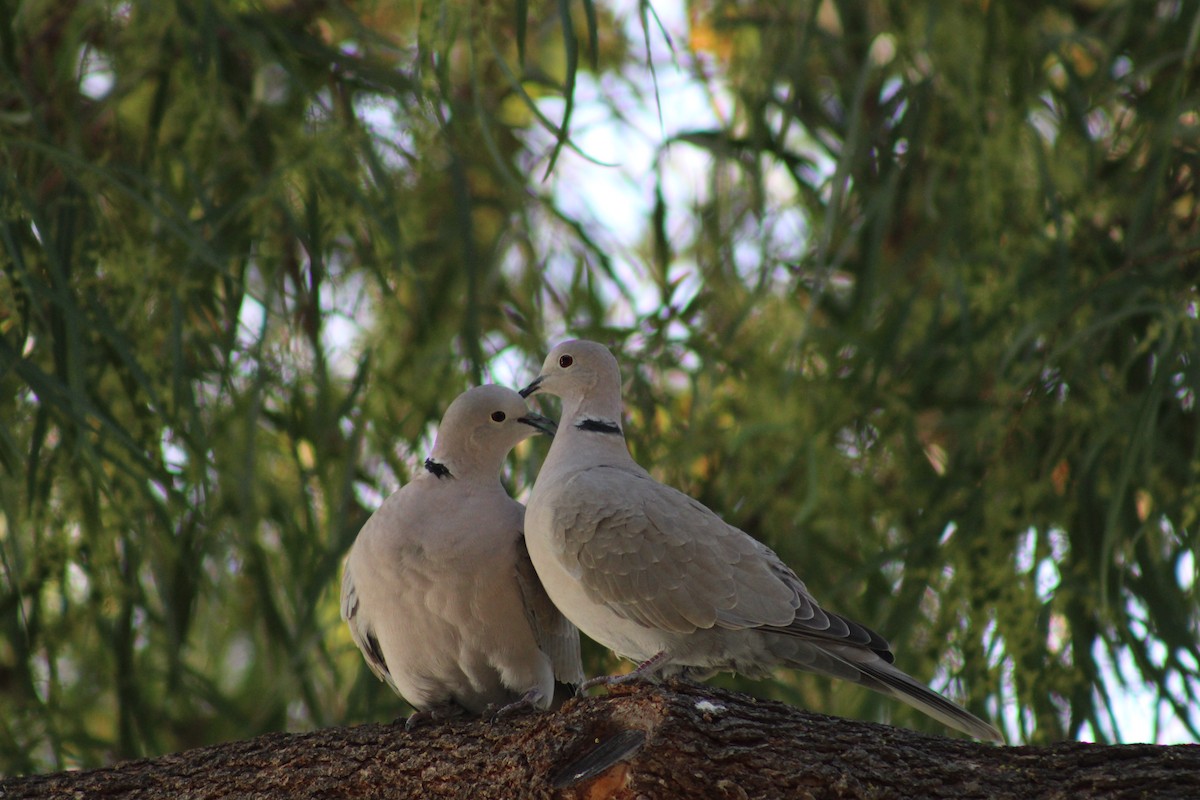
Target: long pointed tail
[
  {"x": 866, "y": 668},
  {"x": 883, "y": 677}
]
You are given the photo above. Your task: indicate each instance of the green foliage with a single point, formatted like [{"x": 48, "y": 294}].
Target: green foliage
[{"x": 928, "y": 328}]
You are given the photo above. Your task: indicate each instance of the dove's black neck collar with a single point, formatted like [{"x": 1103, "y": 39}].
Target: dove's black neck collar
[
  {"x": 598, "y": 425},
  {"x": 438, "y": 471}
]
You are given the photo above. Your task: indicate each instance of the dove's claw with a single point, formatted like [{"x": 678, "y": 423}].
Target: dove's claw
[{"x": 532, "y": 699}]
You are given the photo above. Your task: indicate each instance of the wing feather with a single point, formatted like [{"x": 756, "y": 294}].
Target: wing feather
[
  {"x": 554, "y": 633},
  {"x": 362, "y": 634},
  {"x": 656, "y": 556}
]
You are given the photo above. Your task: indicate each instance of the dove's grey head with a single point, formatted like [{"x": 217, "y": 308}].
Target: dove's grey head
[
  {"x": 480, "y": 427},
  {"x": 586, "y": 376}
]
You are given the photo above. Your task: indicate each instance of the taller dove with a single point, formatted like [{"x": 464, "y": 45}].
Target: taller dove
[
  {"x": 660, "y": 579},
  {"x": 438, "y": 589}
]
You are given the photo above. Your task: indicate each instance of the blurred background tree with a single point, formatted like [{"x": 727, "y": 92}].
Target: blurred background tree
[{"x": 909, "y": 291}]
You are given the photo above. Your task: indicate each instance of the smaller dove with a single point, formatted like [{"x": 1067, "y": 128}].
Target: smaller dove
[
  {"x": 438, "y": 589},
  {"x": 660, "y": 579}
]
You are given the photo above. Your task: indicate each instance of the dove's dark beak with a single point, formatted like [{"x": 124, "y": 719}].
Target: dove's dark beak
[
  {"x": 533, "y": 387},
  {"x": 539, "y": 423}
]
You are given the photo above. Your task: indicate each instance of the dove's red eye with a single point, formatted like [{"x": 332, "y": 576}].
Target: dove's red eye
[
  {"x": 565, "y": 361},
  {"x": 498, "y": 416}
]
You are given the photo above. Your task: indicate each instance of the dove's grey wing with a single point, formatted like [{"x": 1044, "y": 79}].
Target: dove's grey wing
[
  {"x": 814, "y": 622},
  {"x": 360, "y": 631},
  {"x": 658, "y": 557},
  {"x": 555, "y": 635}
]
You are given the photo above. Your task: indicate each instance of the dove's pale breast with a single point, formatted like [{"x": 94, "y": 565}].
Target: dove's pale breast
[
  {"x": 448, "y": 629},
  {"x": 554, "y": 556}
]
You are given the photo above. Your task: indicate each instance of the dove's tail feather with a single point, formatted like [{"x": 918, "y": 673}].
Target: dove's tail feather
[
  {"x": 884, "y": 678},
  {"x": 866, "y": 668}
]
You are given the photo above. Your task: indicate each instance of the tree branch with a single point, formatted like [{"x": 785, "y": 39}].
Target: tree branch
[{"x": 671, "y": 741}]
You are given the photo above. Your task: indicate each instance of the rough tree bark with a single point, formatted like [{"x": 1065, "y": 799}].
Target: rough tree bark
[{"x": 674, "y": 741}]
